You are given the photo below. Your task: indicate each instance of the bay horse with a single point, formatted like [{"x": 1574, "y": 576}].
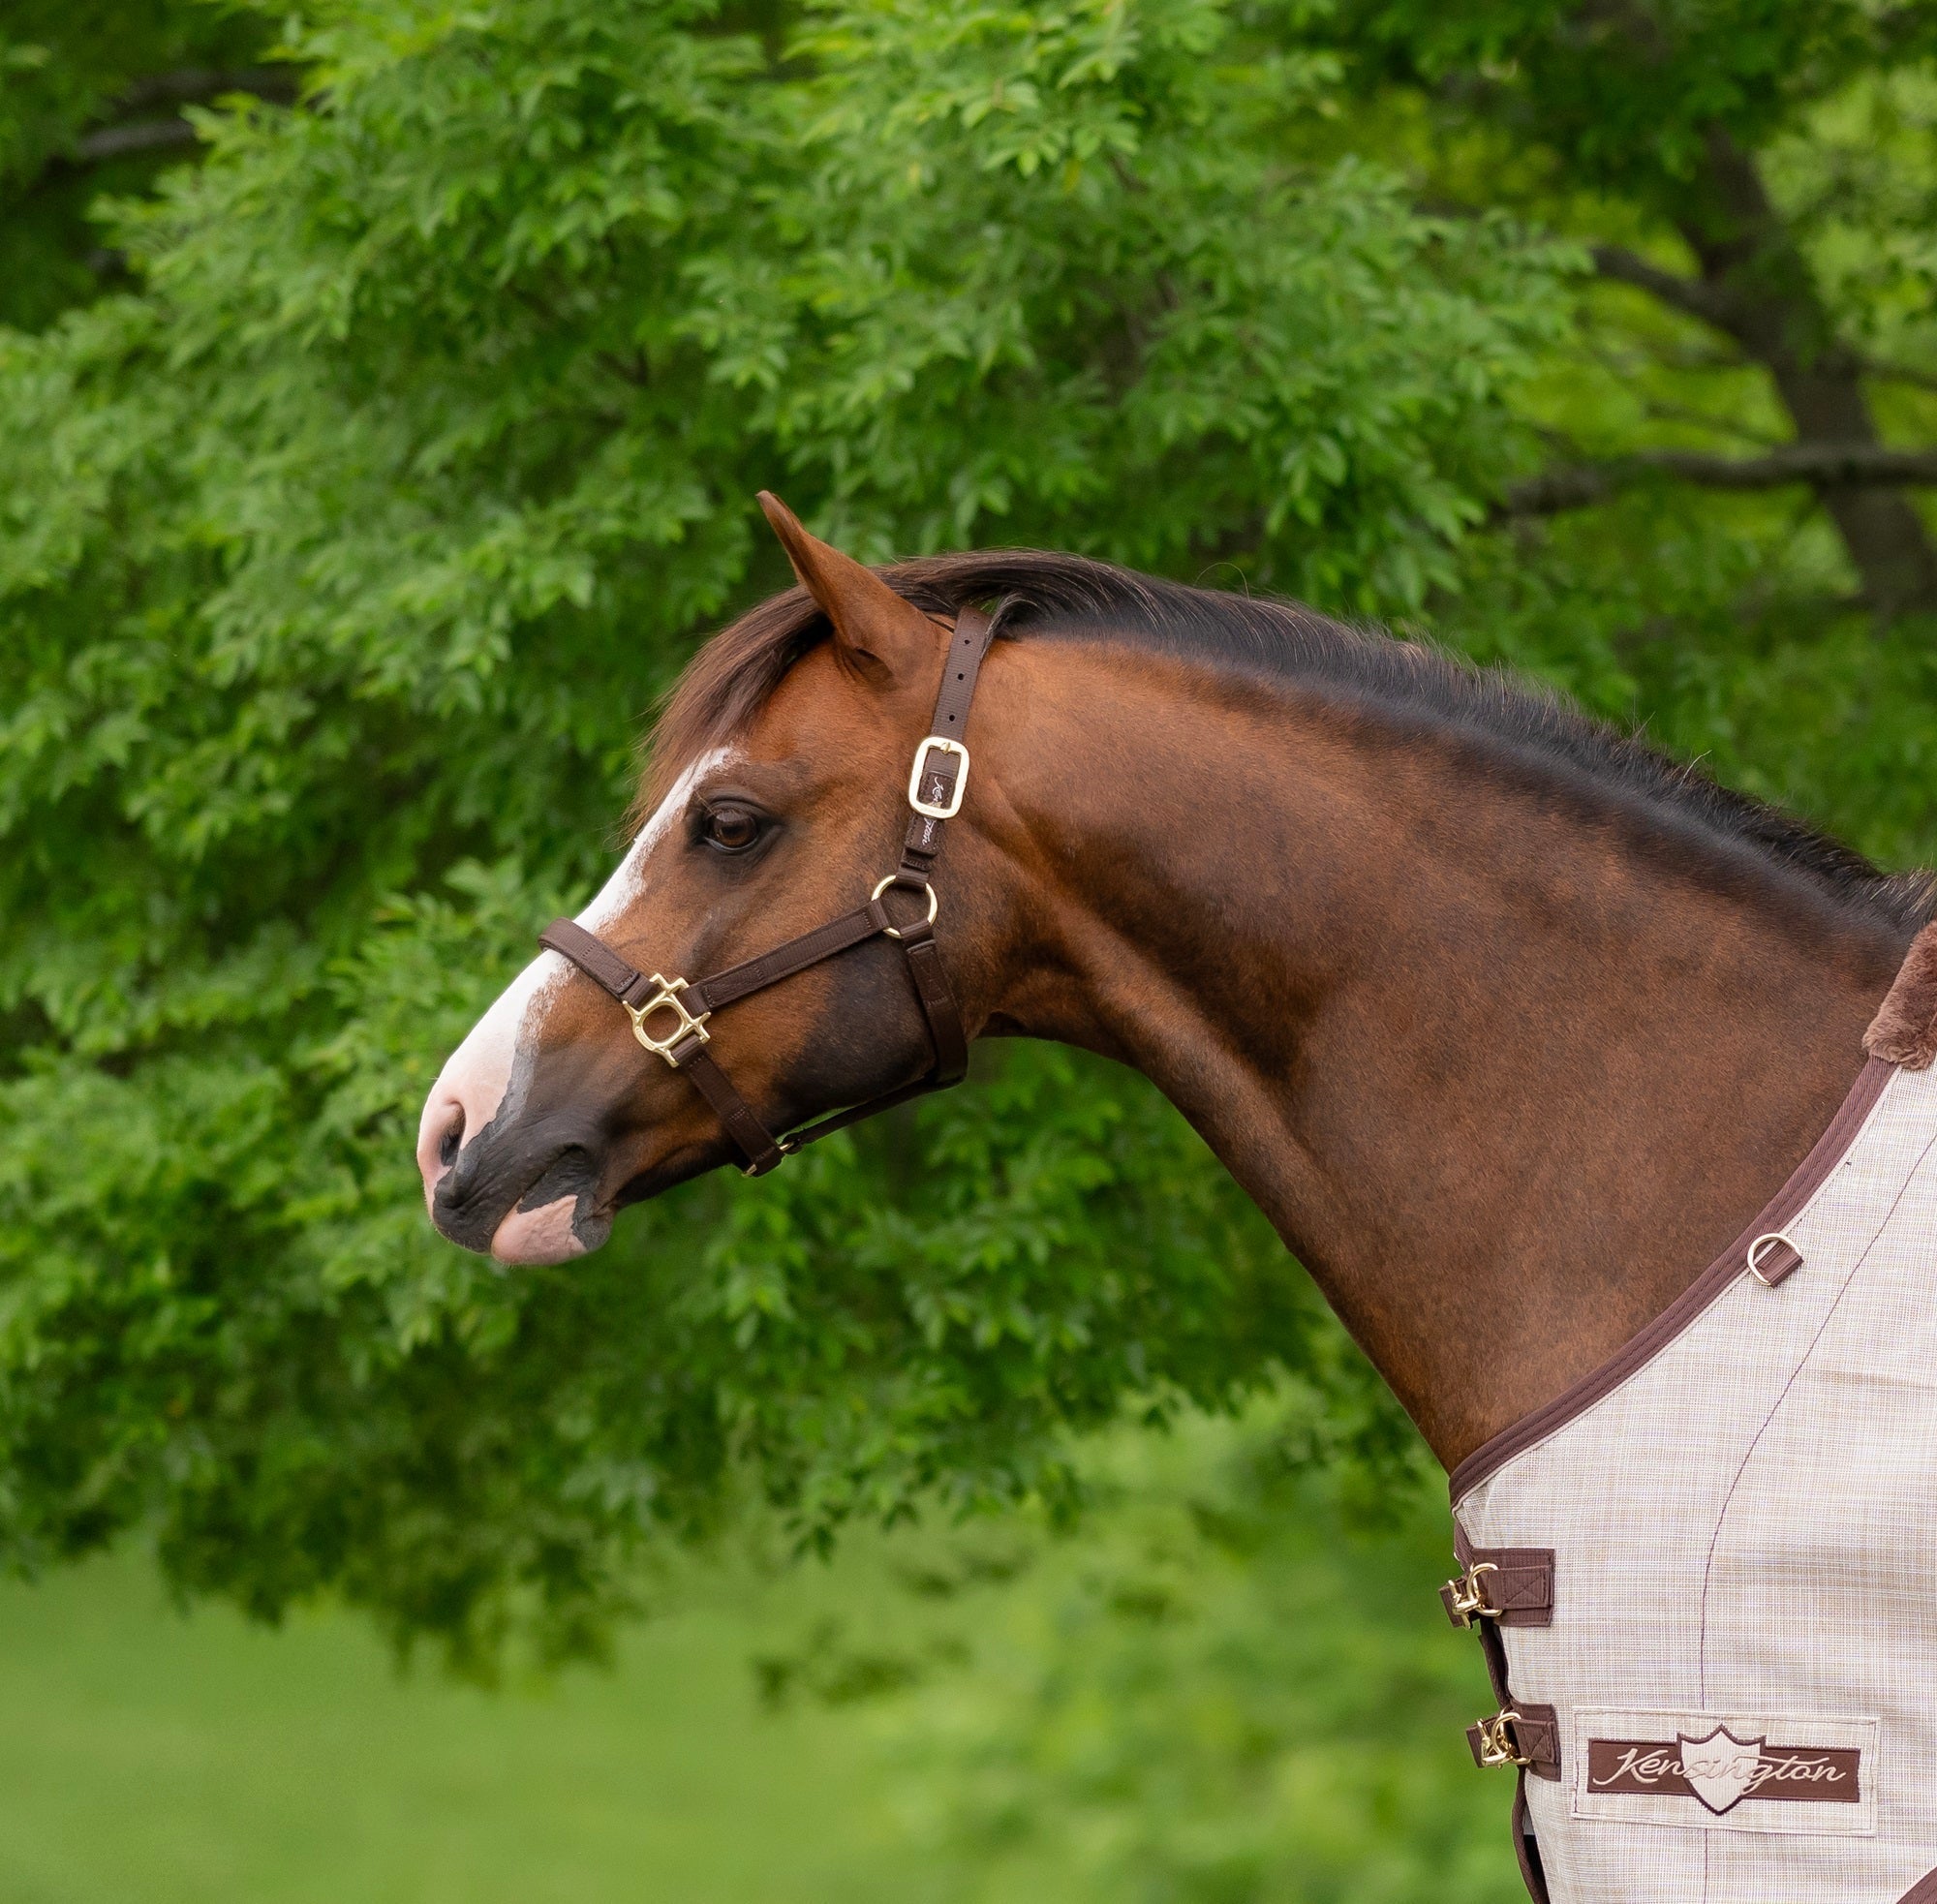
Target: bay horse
[{"x": 1507, "y": 1022}]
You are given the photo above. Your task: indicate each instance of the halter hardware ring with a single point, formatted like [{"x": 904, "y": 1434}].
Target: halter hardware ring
[
  {"x": 937, "y": 809},
  {"x": 1497, "y": 1746},
  {"x": 934, "y": 902},
  {"x": 1755, "y": 1262},
  {"x": 786, "y": 1146},
  {"x": 667, "y": 998}
]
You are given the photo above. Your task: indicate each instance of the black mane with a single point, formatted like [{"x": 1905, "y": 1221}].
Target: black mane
[{"x": 1046, "y": 595}]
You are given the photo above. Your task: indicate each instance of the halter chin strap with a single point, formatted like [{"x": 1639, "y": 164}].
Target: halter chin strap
[{"x": 936, "y": 782}]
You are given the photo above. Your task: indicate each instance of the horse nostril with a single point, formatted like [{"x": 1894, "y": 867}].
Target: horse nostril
[{"x": 452, "y": 1140}]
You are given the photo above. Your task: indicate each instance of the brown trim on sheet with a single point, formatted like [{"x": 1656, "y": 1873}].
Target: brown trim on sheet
[
  {"x": 1527, "y": 1848},
  {"x": 1642, "y": 1348},
  {"x": 1922, "y": 1891}
]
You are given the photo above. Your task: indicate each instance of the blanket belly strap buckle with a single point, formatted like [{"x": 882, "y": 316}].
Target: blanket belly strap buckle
[
  {"x": 1464, "y": 1595},
  {"x": 1494, "y": 1741}
]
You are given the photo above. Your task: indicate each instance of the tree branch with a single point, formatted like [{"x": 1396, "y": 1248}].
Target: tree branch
[
  {"x": 1823, "y": 465},
  {"x": 137, "y": 135},
  {"x": 1662, "y": 412},
  {"x": 1885, "y": 371},
  {"x": 190, "y": 87},
  {"x": 196, "y": 86},
  {"x": 1695, "y": 296}
]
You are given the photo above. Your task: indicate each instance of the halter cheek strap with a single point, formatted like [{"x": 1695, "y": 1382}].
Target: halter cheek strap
[{"x": 670, "y": 1016}]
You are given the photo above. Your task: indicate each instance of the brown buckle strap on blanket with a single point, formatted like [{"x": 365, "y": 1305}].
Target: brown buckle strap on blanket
[
  {"x": 1513, "y": 1585},
  {"x": 669, "y": 1015},
  {"x": 1509, "y": 1586},
  {"x": 1521, "y": 1734}
]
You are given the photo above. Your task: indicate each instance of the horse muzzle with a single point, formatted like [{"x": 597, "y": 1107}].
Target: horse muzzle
[{"x": 525, "y": 1190}]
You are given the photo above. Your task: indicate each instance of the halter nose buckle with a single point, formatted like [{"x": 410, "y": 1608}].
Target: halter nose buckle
[{"x": 667, "y": 998}]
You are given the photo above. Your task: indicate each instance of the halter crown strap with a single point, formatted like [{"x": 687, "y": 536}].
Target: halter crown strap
[
  {"x": 670, "y": 1016},
  {"x": 941, "y": 769}
]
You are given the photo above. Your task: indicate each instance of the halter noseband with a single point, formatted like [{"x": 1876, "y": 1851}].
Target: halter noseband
[{"x": 936, "y": 783}]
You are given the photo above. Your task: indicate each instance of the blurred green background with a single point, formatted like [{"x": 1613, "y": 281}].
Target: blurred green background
[
  {"x": 1228, "y": 1684},
  {"x": 383, "y": 387}
]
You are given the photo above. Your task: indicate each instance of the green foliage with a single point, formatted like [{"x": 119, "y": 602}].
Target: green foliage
[
  {"x": 1756, "y": 182},
  {"x": 64, "y": 65},
  {"x": 1224, "y": 1692},
  {"x": 339, "y": 562},
  {"x": 344, "y": 544},
  {"x": 1629, "y": 101}
]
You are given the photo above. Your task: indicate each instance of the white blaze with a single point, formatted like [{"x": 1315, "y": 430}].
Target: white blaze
[{"x": 478, "y": 1072}]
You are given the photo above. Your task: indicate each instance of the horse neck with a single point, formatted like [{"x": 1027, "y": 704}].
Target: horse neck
[{"x": 1505, "y": 1060}]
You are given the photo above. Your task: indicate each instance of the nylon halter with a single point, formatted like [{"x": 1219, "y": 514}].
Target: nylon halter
[{"x": 936, "y": 782}]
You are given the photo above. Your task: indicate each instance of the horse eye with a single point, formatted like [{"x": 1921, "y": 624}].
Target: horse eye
[{"x": 730, "y": 829}]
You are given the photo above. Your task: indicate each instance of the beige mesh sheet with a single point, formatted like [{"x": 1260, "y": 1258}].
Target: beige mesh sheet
[{"x": 1745, "y": 1539}]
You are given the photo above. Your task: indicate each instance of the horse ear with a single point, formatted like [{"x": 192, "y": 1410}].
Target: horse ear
[{"x": 886, "y": 636}]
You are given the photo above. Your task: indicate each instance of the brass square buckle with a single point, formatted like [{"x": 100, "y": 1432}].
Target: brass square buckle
[
  {"x": 667, "y": 998},
  {"x": 1465, "y": 1598},
  {"x": 1498, "y": 1745},
  {"x": 937, "y": 808}
]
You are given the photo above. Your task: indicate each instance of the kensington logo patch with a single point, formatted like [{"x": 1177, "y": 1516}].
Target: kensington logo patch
[
  {"x": 1721, "y": 1770},
  {"x": 1725, "y": 1771}
]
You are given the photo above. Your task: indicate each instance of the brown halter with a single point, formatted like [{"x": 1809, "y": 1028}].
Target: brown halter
[{"x": 936, "y": 783}]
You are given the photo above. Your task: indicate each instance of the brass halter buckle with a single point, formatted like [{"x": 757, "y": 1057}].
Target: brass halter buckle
[
  {"x": 1465, "y": 1598},
  {"x": 937, "y": 809},
  {"x": 1497, "y": 1745},
  {"x": 667, "y": 998}
]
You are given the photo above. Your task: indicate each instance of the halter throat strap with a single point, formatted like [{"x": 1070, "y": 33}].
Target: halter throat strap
[{"x": 669, "y": 1015}]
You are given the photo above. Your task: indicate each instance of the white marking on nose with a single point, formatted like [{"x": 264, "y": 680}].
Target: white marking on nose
[
  {"x": 472, "y": 1086},
  {"x": 476, "y": 1076}
]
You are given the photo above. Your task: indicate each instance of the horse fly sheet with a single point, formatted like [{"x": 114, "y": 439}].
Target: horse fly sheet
[{"x": 1706, "y": 1576}]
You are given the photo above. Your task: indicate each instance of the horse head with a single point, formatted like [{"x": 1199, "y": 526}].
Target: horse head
[{"x": 778, "y": 794}]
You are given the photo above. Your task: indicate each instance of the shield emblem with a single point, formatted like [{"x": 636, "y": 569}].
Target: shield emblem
[{"x": 1721, "y": 1767}]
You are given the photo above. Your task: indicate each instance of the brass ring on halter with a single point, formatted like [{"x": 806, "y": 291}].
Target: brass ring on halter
[
  {"x": 1769, "y": 1236},
  {"x": 786, "y": 1146},
  {"x": 933, "y": 904}
]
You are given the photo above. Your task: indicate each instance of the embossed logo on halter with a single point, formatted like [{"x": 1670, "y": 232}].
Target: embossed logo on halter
[{"x": 1721, "y": 1770}]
